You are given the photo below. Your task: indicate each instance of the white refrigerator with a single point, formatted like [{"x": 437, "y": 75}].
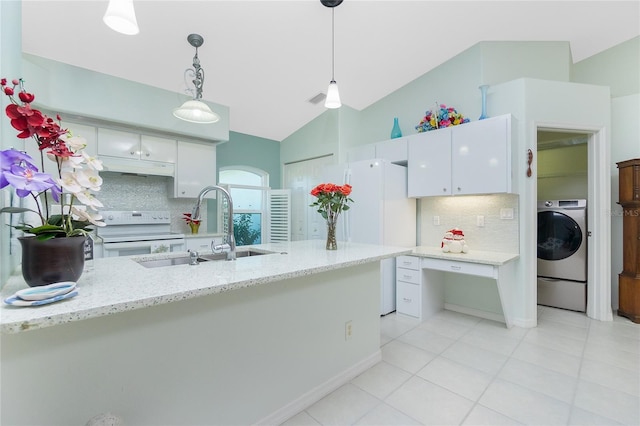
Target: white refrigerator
[{"x": 380, "y": 214}]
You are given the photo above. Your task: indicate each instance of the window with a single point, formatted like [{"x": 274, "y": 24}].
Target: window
[{"x": 249, "y": 189}]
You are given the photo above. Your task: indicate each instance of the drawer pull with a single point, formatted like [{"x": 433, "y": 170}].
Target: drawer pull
[
  {"x": 456, "y": 268},
  {"x": 407, "y": 262},
  {"x": 406, "y": 277},
  {"x": 406, "y": 300}
]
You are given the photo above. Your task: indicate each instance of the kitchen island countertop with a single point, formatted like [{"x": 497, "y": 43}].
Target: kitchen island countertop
[{"x": 121, "y": 284}]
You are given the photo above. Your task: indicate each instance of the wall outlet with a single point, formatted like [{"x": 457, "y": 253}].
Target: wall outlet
[
  {"x": 506, "y": 213},
  {"x": 436, "y": 220},
  {"x": 480, "y": 221},
  {"x": 348, "y": 330}
]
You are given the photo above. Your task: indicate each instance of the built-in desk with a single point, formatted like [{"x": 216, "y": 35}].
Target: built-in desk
[{"x": 420, "y": 283}]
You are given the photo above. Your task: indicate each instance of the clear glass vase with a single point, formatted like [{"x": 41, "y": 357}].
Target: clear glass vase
[
  {"x": 483, "y": 92},
  {"x": 332, "y": 244}
]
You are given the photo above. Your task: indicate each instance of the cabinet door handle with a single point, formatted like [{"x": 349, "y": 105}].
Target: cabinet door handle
[
  {"x": 406, "y": 300},
  {"x": 147, "y": 154},
  {"x": 456, "y": 268},
  {"x": 444, "y": 189},
  {"x": 132, "y": 152},
  {"x": 459, "y": 189}
]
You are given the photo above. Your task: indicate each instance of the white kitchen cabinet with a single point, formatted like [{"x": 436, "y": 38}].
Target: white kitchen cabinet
[
  {"x": 481, "y": 157},
  {"x": 87, "y": 132},
  {"x": 195, "y": 169},
  {"x": 429, "y": 164},
  {"x": 472, "y": 158},
  {"x": 117, "y": 143},
  {"x": 408, "y": 286},
  {"x": 393, "y": 150},
  {"x": 199, "y": 244}
]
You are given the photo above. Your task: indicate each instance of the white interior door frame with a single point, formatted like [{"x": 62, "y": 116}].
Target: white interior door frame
[{"x": 598, "y": 217}]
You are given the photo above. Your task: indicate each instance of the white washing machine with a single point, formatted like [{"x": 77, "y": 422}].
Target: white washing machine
[{"x": 562, "y": 254}]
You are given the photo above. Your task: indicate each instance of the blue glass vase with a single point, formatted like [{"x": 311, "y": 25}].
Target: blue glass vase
[
  {"x": 483, "y": 92},
  {"x": 395, "y": 131}
]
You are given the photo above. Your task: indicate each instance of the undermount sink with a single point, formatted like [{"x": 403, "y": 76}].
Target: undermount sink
[{"x": 184, "y": 260}]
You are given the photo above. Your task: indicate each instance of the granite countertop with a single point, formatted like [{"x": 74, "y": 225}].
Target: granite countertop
[
  {"x": 473, "y": 256},
  {"x": 119, "y": 284}
]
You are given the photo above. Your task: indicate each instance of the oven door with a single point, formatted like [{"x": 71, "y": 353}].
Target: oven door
[{"x": 130, "y": 248}]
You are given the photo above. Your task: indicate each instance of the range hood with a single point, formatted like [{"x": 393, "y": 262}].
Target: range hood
[{"x": 135, "y": 166}]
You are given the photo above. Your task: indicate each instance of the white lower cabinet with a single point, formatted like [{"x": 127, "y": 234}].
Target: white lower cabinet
[
  {"x": 199, "y": 244},
  {"x": 408, "y": 286}
]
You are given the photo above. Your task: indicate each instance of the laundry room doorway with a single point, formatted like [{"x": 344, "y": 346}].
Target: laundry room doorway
[{"x": 573, "y": 174}]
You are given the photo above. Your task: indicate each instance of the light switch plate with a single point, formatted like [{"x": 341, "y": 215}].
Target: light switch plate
[
  {"x": 506, "y": 213},
  {"x": 436, "y": 220}
]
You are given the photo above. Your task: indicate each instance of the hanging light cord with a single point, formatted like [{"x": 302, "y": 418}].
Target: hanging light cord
[{"x": 333, "y": 45}]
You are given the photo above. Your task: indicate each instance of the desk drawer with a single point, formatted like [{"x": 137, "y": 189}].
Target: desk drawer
[
  {"x": 479, "y": 269},
  {"x": 408, "y": 299},
  {"x": 408, "y": 275},
  {"x": 408, "y": 262}
]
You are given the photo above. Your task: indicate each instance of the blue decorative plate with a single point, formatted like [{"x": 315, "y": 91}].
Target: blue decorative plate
[
  {"x": 46, "y": 291},
  {"x": 16, "y": 301}
]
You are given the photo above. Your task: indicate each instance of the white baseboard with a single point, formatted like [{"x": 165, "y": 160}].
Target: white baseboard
[
  {"x": 316, "y": 394},
  {"x": 475, "y": 312}
]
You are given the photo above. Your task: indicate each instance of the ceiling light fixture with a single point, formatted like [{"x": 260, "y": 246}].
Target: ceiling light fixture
[
  {"x": 333, "y": 96},
  {"x": 195, "y": 111},
  {"x": 121, "y": 17}
]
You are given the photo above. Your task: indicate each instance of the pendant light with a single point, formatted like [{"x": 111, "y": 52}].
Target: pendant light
[
  {"x": 196, "y": 111},
  {"x": 333, "y": 96},
  {"x": 121, "y": 17}
]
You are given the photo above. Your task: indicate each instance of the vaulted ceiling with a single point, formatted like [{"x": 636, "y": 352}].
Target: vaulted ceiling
[{"x": 266, "y": 59}]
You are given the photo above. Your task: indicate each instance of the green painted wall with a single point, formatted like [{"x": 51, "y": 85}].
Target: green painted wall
[
  {"x": 67, "y": 89},
  {"x": 247, "y": 150},
  {"x": 454, "y": 83},
  {"x": 618, "y": 68}
]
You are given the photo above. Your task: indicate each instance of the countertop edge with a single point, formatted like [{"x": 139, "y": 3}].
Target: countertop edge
[
  {"x": 53, "y": 319},
  {"x": 473, "y": 256}
]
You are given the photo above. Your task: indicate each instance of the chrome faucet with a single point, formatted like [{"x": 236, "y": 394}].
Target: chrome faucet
[{"x": 230, "y": 247}]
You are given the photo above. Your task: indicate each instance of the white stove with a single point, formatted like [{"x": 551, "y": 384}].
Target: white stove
[{"x": 138, "y": 232}]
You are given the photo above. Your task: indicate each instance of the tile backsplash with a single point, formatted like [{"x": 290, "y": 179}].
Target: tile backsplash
[
  {"x": 462, "y": 212},
  {"x": 134, "y": 192}
]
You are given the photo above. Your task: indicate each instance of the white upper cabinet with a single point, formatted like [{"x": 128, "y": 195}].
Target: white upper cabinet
[
  {"x": 157, "y": 149},
  {"x": 116, "y": 143},
  {"x": 472, "y": 158},
  {"x": 429, "y": 164},
  {"x": 86, "y": 132},
  {"x": 481, "y": 157},
  {"x": 393, "y": 150},
  {"x": 195, "y": 169}
]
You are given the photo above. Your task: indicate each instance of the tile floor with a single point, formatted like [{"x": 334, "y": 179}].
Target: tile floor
[{"x": 455, "y": 369}]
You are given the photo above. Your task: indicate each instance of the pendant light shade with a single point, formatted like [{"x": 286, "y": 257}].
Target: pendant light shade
[
  {"x": 121, "y": 17},
  {"x": 333, "y": 96},
  {"x": 195, "y": 111}
]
